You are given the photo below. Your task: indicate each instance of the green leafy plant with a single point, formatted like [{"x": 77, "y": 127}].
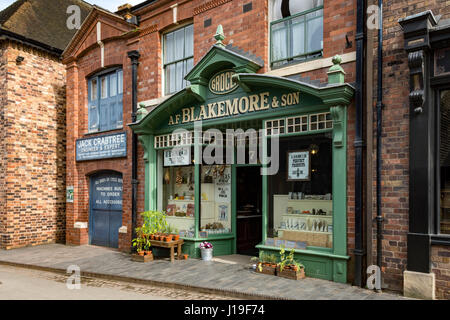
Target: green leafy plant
[
  {"x": 139, "y": 241},
  {"x": 154, "y": 221},
  {"x": 288, "y": 260}
]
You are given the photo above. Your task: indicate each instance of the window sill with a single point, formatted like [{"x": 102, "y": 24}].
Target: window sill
[
  {"x": 440, "y": 239},
  {"x": 101, "y": 132},
  {"x": 310, "y": 65}
]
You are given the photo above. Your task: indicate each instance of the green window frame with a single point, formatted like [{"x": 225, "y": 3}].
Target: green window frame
[{"x": 287, "y": 45}]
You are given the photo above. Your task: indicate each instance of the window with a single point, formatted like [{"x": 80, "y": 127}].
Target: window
[
  {"x": 444, "y": 159},
  {"x": 106, "y": 101},
  {"x": 300, "y": 212},
  {"x": 296, "y": 31},
  {"x": 178, "y": 58}
]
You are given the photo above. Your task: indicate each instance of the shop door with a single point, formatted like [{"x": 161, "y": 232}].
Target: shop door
[
  {"x": 249, "y": 209},
  {"x": 105, "y": 209}
]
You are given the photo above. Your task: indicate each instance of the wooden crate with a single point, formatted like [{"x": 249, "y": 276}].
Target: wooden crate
[
  {"x": 266, "y": 270},
  {"x": 291, "y": 274},
  {"x": 138, "y": 258}
]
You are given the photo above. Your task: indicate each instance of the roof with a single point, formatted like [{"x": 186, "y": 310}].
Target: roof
[{"x": 42, "y": 21}]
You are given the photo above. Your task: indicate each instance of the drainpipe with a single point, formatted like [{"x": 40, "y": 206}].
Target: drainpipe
[
  {"x": 379, "y": 217},
  {"x": 134, "y": 57},
  {"x": 359, "y": 144}
]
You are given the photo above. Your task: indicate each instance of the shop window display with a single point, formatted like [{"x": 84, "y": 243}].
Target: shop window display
[
  {"x": 178, "y": 191},
  {"x": 300, "y": 194},
  {"x": 215, "y": 218}
]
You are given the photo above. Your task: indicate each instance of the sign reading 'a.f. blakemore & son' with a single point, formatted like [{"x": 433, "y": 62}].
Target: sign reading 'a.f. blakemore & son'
[{"x": 102, "y": 147}]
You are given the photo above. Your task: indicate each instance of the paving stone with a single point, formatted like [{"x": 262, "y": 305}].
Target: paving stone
[{"x": 213, "y": 275}]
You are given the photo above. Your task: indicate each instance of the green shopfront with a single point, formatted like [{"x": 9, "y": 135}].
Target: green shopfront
[{"x": 252, "y": 162}]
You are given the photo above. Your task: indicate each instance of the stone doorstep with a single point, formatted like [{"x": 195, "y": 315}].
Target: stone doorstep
[
  {"x": 419, "y": 285},
  {"x": 173, "y": 285}
]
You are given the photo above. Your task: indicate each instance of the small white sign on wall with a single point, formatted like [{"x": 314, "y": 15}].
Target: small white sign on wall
[
  {"x": 177, "y": 157},
  {"x": 298, "y": 166}
]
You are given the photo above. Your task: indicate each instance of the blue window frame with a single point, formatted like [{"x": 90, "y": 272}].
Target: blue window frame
[
  {"x": 296, "y": 31},
  {"x": 105, "y": 101}
]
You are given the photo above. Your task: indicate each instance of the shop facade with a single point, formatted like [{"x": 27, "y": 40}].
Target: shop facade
[
  {"x": 278, "y": 110},
  {"x": 201, "y": 142}
]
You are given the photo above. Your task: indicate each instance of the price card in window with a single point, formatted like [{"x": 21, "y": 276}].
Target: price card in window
[
  {"x": 177, "y": 157},
  {"x": 299, "y": 166}
]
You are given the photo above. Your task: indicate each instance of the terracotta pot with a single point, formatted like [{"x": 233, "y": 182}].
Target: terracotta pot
[
  {"x": 163, "y": 239},
  {"x": 141, "y": 253},
  {"x": 176, "y": 237},
  {"x": 147, "y": 253},
  {"x": 295, "y": 268},
  {"x": 152, "y": 237},
  {"x": 169, "y": 238},
  {"x": 185, "y": 256}
]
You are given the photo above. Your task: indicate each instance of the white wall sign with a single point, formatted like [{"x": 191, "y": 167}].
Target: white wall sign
[
  {"x": 298, "y": 166},
  {"x": 177, "y": 157}
]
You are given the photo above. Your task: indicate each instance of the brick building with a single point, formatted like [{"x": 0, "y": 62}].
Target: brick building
[
  {"x": 33, "y": 35},
  {"x": 138, "y": 74}
]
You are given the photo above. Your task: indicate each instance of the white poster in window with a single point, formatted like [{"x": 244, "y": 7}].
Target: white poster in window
[
  {"x": 298, "y": 163},
  {"x": 177, "y": 157},
  {"x": 223, "y": 186}
]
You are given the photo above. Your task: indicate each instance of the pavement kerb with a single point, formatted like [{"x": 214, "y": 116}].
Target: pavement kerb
[{"x": 173, "y": 285}]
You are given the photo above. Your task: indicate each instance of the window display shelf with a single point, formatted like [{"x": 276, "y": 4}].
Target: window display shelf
[
  {"x": 305, "y": 231},
  {"x": 180, "y": 218},
  {"x": 302, "y": 215}
]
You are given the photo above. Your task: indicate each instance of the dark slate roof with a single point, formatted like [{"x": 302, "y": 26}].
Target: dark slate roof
[
  {"x": 43, "y": 21},
  {"x": 237, "y": 50}
]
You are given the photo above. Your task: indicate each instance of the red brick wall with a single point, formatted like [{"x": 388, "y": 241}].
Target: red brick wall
[
  {"x": 440, "y": 257},
  {"x": 3, "y": 101},
  {"x": 32, "y": 181},
  {"x": 395, "y": 143}
]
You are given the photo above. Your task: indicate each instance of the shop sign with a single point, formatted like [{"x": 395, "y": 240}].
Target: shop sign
[
  {"x": 69, "y": 194},
  {"x": 221, "y": 83},
  {"x": 264, "y": 101},
  {"x": 298, "y": 166},
  {"x": 177, "y": 157},
  {"x": 102, "y": 147}
]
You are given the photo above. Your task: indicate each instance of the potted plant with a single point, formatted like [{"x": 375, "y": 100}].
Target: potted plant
[
  {"x": 265, "y": 263},
  {"x": 147, "y": 246},
  {"x": 288, "y": 267},
  {"x": 138, "y": 242},
  {"x": 206, "y": 249}
]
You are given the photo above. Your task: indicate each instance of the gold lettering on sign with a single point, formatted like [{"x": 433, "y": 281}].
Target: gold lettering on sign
[
  {"x": 235, "y": 106},
  {"x": 232, "y": 107},
  {"x": 222, "y": 82},
  {"x": 243, "y": 105},
  {"x": 254, "y": 100}
]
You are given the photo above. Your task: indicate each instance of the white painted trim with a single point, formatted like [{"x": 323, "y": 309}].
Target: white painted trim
[
  {"x": 311, "y": 65},
  {"x": 175, "y": 12},
  {"x": 100, "y": 43}
]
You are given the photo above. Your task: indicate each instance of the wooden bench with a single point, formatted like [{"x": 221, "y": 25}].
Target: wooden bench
[{"x": 171, "y": 245}]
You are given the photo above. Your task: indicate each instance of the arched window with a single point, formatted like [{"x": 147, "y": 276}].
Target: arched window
[
  {"x": 296, "y": 30},
  {"x": 106, "y": 101}
]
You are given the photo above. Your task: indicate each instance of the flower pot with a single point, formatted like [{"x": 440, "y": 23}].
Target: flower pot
[
  {"x": 176, "y": 237},
  {"x": 152, "y": 237},
  {"x": 147, "y": 253},
  {"x": 169, "y": 238},
  {"x": 141, "y": 253},
  {"x": 185, "y": 256},
  {"x": 207, "y": 254}
]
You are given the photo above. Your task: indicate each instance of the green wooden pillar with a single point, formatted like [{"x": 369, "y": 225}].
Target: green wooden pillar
[
  {"x": 339, "y": 115},
  {"x": 265, "y": 185},
  {"x": 152, "y": 174},
  {"x": 146, "y": 142}
]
